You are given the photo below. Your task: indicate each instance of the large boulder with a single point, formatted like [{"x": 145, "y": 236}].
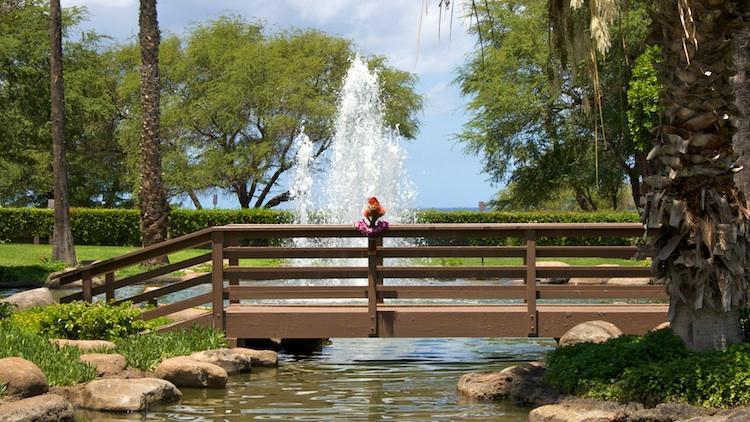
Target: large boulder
[
  {"x": 22, "y": 378},
  {"x": 629, "y": 281},
  {"x": 579, "y": 412},
  {"x": 183, "y": 371},
  {"x": 232, "y": 362},
  {"x": 522, "y": 383},
  {"x": 265, "y": 358},
  {"x": 30, "y": 298},
  {"x": 105, "y": 363},
  {"x": 44, "y": 408},
  {"x": 552, "y": 280},
  {"x": 590, "y": 332},
  {"x": 85, "y": 345},
  {"x": 128, "y": 395}
]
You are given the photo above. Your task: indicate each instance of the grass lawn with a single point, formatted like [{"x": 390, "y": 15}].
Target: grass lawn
[{"x": 32, "y": 263}]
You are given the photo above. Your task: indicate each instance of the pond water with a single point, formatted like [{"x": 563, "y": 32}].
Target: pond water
[{"x": 359, "y": 380}]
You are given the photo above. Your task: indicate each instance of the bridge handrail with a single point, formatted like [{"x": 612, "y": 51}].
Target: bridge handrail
[{"x": 224, "y": 241}]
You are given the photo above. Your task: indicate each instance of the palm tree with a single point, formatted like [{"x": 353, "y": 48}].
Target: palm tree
[
  {"x": 696, "y": 216},
  {"x": 152, "y": 197},
  {"x": 62, "y": 236},
  {"x": 702, "y": 247}
]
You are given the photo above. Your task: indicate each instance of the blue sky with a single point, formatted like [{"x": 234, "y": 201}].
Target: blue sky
[{"x": 444, "y": 175}]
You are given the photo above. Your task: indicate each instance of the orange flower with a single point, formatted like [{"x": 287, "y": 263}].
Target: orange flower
[{"x": 373, "y": 210}]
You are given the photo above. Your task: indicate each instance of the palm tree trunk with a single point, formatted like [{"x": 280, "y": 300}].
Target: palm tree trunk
[
  {"x": 62, "y": 236},
  {"x": 702, "y": 246},
  {"x": 153, "y": 199},
  {"x": 741, "y": 82}
]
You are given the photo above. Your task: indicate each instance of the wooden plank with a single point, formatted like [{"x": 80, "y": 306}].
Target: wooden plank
[
  {"x": 204, "y": 320},
  {"x": 555, "y": 320},
  {"x": 282, "y": 252},
  {"x": 624, "y": 252},
  {"x": 297, "y": 292},
  {"x": 530, "y": 261},
  {"x": 452, "y": 292},
  {"x": 178, "y": 306},
  {"x": 160, "y": 249},
  {"x": 580, "y": 271},
  {"x": 452, "y": 272},
  {"x": 602, "y": 292},
  {"x": 250, "y": 231},
  {"x": 217, "y": 279},
  {"x": 192, "y": 281},
  {"x": 251, "y": 321},
  {"x": 142, "y": 277},
  {"x": 281, "y": 273},
  {"x": 372, "y": 283}
]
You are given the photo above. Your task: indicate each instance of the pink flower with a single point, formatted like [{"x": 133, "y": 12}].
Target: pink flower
[{"x": 374, "y": 230}]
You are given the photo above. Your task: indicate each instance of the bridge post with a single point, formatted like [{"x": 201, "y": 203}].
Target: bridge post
[
  {"x": 86, "y": 281},
  {"x": 234, "y": 280},
  {"x": 530, "y": 262},
  {"x": 109, "y": 278},
  {"x": 217, "y": 278},
  {"x": 373, "y": 280}
]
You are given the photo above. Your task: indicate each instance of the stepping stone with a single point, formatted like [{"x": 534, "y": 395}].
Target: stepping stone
[
  {"x": 85, "y": 345},
  {"x": 267, "y": 358},
  {"x": 183, "y": 371},
  {"x": 22, "y": 378},
  {"x": 46, "y": 407},
  {"x": 232, "y": 361},
  {"x": 105, "y": 364},
  {"x": 128, "y": 395}
]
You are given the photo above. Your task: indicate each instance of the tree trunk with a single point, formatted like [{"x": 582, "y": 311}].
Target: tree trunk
[
  {"x": 153, "y": 199},
  {"x": 62, "y": 236},
  {"x": 194, "y": 198},
  {"x": 702, "y": 245},
  {"x": 706, "y": 329},
  {"x": 741, "y": 45}
]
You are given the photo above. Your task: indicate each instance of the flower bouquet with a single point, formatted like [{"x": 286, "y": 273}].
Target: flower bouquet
[{"x": 371, "y": 225}]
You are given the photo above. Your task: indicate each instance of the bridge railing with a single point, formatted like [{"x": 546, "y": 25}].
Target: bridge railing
[{"x": 227, "y": 270}]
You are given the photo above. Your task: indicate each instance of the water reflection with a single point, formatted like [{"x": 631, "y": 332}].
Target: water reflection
[{"x": 360, "y": 380}]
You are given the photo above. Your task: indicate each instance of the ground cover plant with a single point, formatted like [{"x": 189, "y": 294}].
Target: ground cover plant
[
  {"x": 652, "y": 369},
  {"x": 146, "y": 351},
  {"x": 61, "y": 365}
]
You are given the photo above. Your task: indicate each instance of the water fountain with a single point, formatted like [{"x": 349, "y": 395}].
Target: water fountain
[{"x": 366, "y": 159}]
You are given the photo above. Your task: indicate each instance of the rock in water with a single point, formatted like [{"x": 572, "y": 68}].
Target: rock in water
[
  {"x": 46, "y": 408},
  {"x": 186, "y": 372},
  {"x": 523, "y": 383},
  {"x": 22, "y": 378},
  {"x": 590, "y": 332},
  {"x": 267, "y": 358},
  {"x": 30, "y": 298},
  {"x": 232, "y": 362},
  {"x": 105, "y": 364},
  {"x": 128, "y": 395}
]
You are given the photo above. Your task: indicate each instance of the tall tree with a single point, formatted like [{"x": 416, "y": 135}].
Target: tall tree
[
  {"x": 152, "y": 197},
  {"x": 702, "y": 249},
  {"x": 62, "y": 236}
]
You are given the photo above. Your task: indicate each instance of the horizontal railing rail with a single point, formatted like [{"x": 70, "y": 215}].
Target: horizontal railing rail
[{"x": 229, "y": 268}]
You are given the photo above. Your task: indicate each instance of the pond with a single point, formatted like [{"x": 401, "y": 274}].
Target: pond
[{"x": 359, "y": 379}]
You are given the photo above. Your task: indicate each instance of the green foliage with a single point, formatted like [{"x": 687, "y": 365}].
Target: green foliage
[
  {"x": 653, "y": 369},
  {"x": 28, "y": 320},
  {"x": 92, "y": 226},
  {"x": 146, "y": 351},
  {"x": 62, "y": 366},
  {"x": 644, "y": 102},
  {"x": 30, "y": 274},
  {"x": 90, "y": 321},
  {"x": 6, "y": 310},
  {"x": 535, "y": 121}
]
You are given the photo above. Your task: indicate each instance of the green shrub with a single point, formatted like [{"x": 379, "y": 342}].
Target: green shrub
[
  {"x": 146, "y": 351},
  {"x": 652, "y": 369},
  {"x": 28, "y": 319},
  {"x": 62, "y": 366},
  {"x": 6, "y": 310},
  {"x": 119, "y": 227},
  {"x": 30, "y": 273},
  {"x": 89, "y": 321}
]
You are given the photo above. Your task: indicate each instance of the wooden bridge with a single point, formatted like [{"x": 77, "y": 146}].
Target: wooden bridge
[{"x": 236, "y": 292}]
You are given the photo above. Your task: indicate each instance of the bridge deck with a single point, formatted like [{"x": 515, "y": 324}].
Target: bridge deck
[{"x": 290, "y": 321}]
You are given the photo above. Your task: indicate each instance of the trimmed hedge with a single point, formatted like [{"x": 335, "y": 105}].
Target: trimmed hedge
[{"x": 119, "y": 227}]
